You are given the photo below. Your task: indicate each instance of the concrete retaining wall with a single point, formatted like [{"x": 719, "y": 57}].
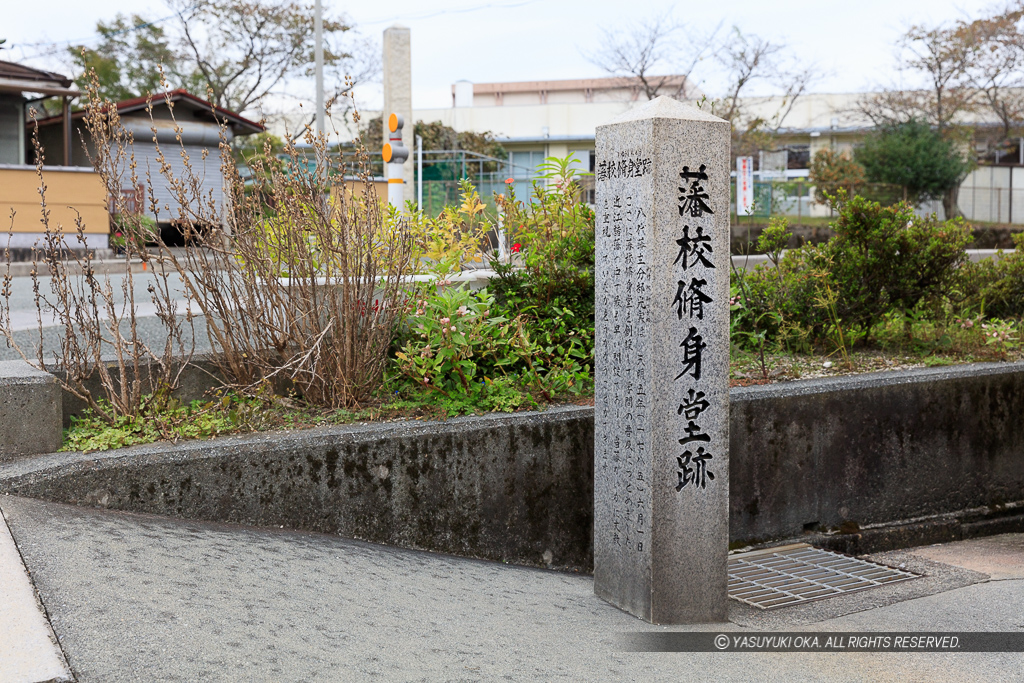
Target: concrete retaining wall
[
  {"x": 923, "y": 456},
  {"x": 510, "y": 488},
  {"x": 198, "y": 376},
  {"x": 873, "y": 449}
]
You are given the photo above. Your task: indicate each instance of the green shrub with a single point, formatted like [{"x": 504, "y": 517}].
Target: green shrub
[
  {"x": 779, "y": 303},
  {"x": 999, "y": 284},
  {"x": 882, "y": 260},
  {"x": 550, "y": 281},
  {"x": 460, "y": 354},
  {"x": 914, "y": 157}
]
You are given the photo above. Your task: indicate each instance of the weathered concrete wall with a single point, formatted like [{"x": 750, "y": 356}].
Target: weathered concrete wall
[
  {"x": 29, "y": 411},
  {"x": 875, "y": 448},
  {"x": 938, "y": 451},
  {"x": 194, "y": 381},
  {"x": 509, "y": 488}
]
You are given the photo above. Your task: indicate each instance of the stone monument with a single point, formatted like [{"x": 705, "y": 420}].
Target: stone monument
[{"x": 661, "y": 479}]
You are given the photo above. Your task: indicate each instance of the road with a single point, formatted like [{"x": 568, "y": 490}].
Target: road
[{"x": 25, "y": 315}]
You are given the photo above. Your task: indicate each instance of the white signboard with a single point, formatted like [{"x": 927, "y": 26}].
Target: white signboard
[{"x": 744, "y": 185}]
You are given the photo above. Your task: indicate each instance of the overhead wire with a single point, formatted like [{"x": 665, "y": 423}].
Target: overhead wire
[{"x": 60, "y": 45}]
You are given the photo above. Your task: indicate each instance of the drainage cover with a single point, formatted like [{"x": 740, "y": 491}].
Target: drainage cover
[{"x": 791, "y": 574}]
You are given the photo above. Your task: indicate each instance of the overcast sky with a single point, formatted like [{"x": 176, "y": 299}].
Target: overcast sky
[{"x": 515, "y": 40}]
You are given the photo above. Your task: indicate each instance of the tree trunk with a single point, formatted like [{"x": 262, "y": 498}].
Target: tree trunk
[{"x": 950, "y": 203}]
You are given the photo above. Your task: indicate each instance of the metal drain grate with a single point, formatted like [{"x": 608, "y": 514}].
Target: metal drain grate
[{"x": 792, "y": 574}]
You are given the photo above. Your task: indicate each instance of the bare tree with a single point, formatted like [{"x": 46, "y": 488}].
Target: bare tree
[
  {"x": 745, "y": 59},
  {"x": 244, "y": 49},
  {"x": 996, "y": 71},
  {"x": 637, "y": 52},
  {"x": 946, "y": 61},
  {"x": 942, "y": 57},
  {"x": 748, "y": 59}
]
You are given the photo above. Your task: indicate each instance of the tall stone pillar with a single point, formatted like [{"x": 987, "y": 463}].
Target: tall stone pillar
[
  {"x": 397, "y": 64},
  {"x": 661, "y": 488}
]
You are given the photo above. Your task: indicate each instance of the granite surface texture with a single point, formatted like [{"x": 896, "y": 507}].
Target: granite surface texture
[{"x": 662, "y": 363}]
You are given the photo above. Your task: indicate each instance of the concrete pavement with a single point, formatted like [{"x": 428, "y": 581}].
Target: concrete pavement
[{"x": 144, "y": 598}]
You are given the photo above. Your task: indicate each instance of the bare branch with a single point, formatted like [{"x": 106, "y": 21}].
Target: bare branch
[{"x": 636, "y": 53}]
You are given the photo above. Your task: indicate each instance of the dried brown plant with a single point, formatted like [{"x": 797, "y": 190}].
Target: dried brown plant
[
  {"x": 99, "y": 339},
  {"x": 298, "y": 280},
  {"x": 300, "y": 286}
]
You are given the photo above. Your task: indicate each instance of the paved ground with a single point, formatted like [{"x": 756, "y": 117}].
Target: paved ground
[
  {"x": 25, "y": 315},
  {"x": 144, "y": 598}
]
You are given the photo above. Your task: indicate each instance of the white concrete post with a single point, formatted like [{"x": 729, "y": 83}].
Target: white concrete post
[{"x": 395, "y": 153}]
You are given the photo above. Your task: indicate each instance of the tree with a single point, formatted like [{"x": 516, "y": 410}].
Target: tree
[
  {"x": 916, "y": 157},
  {"x": 996, "y": 71},
  {"x": 237, "y": 51},
  {"x": 832, "y": 171},
  {"x": 639, "y": 50},
  {"x": 941, "y": 57},
  {"x": 129, "y": 58},
  {"x": 243, "y": 49},
  {"x": 636, "y": 52},
  {"x": 747, "y": 59},
  {"x": 437, "y": 136}
]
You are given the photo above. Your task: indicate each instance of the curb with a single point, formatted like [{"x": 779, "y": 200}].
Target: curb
[
  {"x": 28, "y": 646},
  {"x": 100, "y": 267}
]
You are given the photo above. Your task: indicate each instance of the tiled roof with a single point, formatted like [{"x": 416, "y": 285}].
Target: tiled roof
[
  {"x": 240, "y": 124},
  {"x": 25, "y": 73}
]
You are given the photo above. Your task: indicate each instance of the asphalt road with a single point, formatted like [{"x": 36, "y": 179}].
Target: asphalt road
[{"x": 25, "y": 315}]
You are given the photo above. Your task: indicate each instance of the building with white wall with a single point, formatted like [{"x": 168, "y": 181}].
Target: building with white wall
[{"x": 538, "y": 119}]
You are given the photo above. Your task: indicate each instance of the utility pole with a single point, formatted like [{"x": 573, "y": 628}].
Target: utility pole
[
  {"x": 318, "y": 38},
  {"x": 419, "y": 172}
]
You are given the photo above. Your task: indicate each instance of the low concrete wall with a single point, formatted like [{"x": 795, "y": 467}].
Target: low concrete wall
[
  {"x": 29, "y": 411},
  {"x": 895, "y": 459},
  {"x": 873, "y": 449},
  {"x": 514, "y": 488},
  {"x": 195, "y": 380}
]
